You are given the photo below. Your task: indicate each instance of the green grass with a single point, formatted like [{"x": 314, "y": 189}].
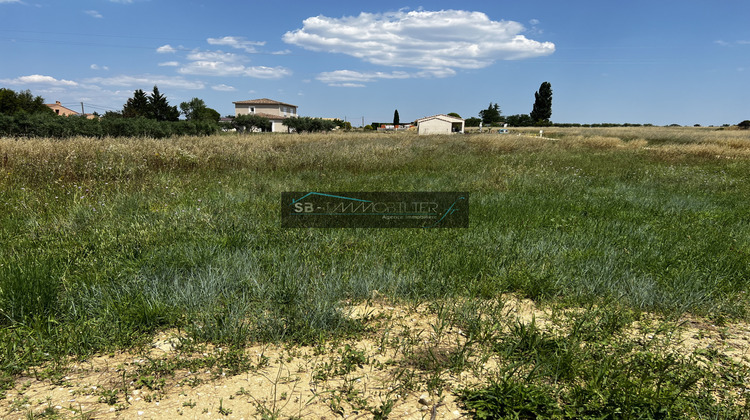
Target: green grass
[{"x": 107, "y": 241}]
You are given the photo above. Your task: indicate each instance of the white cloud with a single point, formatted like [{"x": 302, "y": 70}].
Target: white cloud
[
  {"x": 165, "y": 49},
  {"x": 534, "y": 22},
  {"x": 93, "y": 14},
  {"x": 169, "y": 64},
  {"x": 40, "y": 80},
  {"x": 347, "y": 85},
  {"x": 218, "y": 56},
  {"x": 237, "y": 42},
  {"x": 223, "y": 88},
  {"x": 98, "y": 67},
  {"x": 212, "y": 68},
  {"x": 340, "y": 77},
  {"x": 351, "y": 78},
  {"x": 10, "y": 1},
  {"x": 147, "y": 81},
  {"x": 436, "y": 42},
  {"x": 219, "y": 63},
  {"x": 263, "y": 72},
  {"x": 727, "y": 44}
]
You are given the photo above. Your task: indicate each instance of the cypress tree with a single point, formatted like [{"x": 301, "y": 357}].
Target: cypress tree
[{"x": 542, "y": 110}]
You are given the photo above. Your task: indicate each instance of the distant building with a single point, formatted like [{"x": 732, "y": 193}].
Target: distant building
[
  {"x": 61, "y": 110},
  {"x": 273, "y": 110},
  {"x": 440, "y": 124}
]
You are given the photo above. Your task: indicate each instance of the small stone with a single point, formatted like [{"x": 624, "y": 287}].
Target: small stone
[{"x": 424, "y": 399}]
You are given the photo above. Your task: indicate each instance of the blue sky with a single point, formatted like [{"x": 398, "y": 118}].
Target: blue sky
[{"x": 657, "y": 61}]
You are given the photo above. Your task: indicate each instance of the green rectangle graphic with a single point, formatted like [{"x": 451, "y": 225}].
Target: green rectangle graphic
[{"x": 375, "y": 209}]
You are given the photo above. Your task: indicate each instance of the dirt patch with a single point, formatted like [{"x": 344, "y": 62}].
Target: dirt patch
[{"x": 406, "y": 365}]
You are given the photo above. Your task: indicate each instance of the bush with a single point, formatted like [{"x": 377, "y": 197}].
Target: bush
[
  {"x": 744, "y": 125},
  {"x": 53, "y": 126}
]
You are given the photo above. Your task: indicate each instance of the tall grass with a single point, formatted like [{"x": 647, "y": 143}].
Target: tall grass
[{"x": 107, "y": 240}]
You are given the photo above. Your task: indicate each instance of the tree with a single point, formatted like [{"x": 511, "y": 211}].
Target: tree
[
  {"x": 309, "y": 124},
  {"x": 519, "y": 120},
  {"x": 160, "y": 109},
  {"x": 196, "y": 110},
  {"x": 744, "y": 125},
  {"x": 12, "y": 103},
  {"x": 491, "y": 115},
  {"x": 542, "y": 110},
  {"x": 395, "y": 118},
  {"x": 137, "y": 106},
  {"x": 472, "y": 122},
  {"x": 251, "y": 122},
  {"x": 454, "y": 114}
]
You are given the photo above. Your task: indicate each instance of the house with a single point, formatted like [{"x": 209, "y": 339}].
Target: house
[
  {"x": 440, "y": 124},
  {"x": 273, "y": 110},
  {"x": 61, "y": 110}
]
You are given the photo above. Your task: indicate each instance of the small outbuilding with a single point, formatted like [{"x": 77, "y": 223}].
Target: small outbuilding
[{"x": 440, "y": 124}]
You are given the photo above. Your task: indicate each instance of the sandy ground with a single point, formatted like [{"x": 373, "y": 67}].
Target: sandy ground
[{"x": 382, "y": 371}]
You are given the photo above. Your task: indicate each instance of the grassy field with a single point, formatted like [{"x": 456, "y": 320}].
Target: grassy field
[{"x": 107, "y": 242}]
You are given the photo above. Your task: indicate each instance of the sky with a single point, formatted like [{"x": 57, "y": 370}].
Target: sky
[{"x": 657, "y": 61}]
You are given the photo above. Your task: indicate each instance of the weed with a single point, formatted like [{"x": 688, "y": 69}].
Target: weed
[{"x": 223, "y": 410}]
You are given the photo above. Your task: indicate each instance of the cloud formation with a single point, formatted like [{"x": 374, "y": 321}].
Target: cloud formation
[
  {"x": 351, "y": 78},
  {"x": 166, "y": 49},
  {"x": 223, "y": 88},
  {"x": 433, "y": 41},
  {"x": 138, "y": 82},
  {"x": 93, "y": 14},
  {"x": 237, "y": 42},
  {"x": 219, "y": 63},
  {"x": 39, "y": 80}
]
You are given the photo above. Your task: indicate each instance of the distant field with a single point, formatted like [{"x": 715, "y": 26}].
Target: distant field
[{"x": 106, "y": 242}]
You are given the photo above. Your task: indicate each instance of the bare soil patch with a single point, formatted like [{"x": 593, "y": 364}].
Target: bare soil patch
[{"x": 404, "y": 366}]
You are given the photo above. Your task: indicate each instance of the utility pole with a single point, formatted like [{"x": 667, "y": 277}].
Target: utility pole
[{"x": 82, "y": 113}]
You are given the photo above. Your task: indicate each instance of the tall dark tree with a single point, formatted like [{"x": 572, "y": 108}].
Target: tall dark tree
[
  {"x": 396, "y": 120},
  {"x": 542, "y": 110},
  {"x": 160, "y": 108},
  {"x": 491, "y": 115},
  {"x": 137, "y": 106}
]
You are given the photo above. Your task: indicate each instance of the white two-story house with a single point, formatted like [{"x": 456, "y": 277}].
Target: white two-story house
[{"x": 273, "y": 110}]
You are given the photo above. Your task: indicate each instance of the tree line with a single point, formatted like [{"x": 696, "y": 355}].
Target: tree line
[
  {"x": 539, "y": 116},
  {"x": 143, "y": 115},
  {"x": 24, "y": 115}
]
